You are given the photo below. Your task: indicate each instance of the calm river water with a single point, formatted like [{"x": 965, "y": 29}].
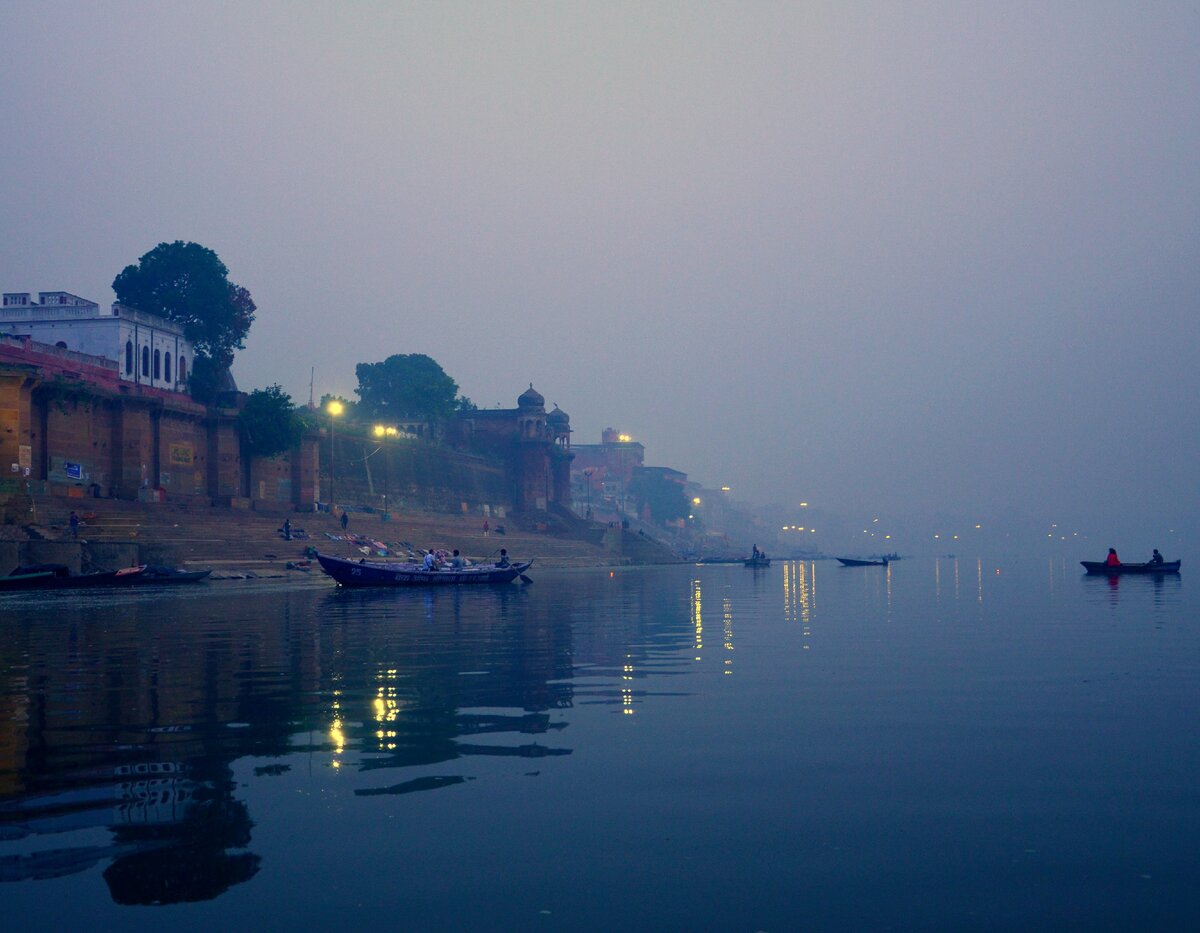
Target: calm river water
[{"x": 957, "y": 745}]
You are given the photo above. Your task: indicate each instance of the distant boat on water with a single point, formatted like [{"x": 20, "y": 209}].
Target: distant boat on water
[
  {"x": 855, "y": 562},
  {"x": 761, "y": 561},
  {"x": 1100, "y": 568}
]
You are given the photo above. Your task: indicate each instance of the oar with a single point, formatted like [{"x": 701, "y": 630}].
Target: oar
[{"x": 524, "y": 579}]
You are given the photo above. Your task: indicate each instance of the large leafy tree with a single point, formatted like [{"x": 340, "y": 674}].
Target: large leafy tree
[
  {"x": 268, "y": 422},
  {"x": 666, "y": 499},
  {"x": 407, "y": 385},
  {"x": 187, "y": 283}
]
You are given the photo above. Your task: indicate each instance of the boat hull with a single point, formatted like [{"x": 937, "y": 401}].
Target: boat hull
[
  {"x": 172, "y": 577},
  {"x": 52, "y": 581},
  {"x": 1100, "y": 568},
  {"x": 364, "y": 573},
  {"x": 851, "y": 562},
  {"x": 757, "y": 562}
]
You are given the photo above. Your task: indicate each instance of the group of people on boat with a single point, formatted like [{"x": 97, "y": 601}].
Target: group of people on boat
[
  {"x": 756, "y": 552},
  {"x": 439, "y": 559},
  {"x": 1114, "y": 561}
]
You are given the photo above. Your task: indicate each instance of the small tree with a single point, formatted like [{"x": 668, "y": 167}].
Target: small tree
[{"x": 268, "y": 423}]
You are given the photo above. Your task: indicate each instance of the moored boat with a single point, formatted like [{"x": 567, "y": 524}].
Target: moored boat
[
  {"x": 370, "y": 573},
  {"x": 154, "y": 573},
  {"x": 1099, "y": 567},
  {"x": 59, "y": 577}
]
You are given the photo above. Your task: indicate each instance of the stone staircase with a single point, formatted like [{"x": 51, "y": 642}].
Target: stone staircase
[{"x": 199, "y": 535}]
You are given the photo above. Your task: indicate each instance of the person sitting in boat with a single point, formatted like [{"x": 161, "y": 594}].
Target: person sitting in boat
[
  {"x": 430, "y": 561},
  {"x": 457, "y": 562},
  {"x": 1156, "y": 558},
  {"x": 1112, "y": 560},
  {"x": 503, "y": 561}
]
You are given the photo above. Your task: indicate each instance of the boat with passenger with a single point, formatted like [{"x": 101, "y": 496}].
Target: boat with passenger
[
  {"x": 362, "y": 572},
  {"x": 1103, "y": 568},
  {"x": 855, "y": 562}
]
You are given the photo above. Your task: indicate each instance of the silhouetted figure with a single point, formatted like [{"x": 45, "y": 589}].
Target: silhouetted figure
[
  {"x": 345, "y": 520},
  {"x": 74, "y": 522},
  {"x": 503, "y": 561},
  {"x": 1112, "y": 560},
  {"x": 1156, "y": 558},
  {"x": 287, "y": 529}
]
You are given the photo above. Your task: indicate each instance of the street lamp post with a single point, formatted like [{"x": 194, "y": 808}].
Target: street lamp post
[
  {"x": 587, "y": 474},
  {"x": 383, "y": 432},
  {"x": 334, "y": 408}
]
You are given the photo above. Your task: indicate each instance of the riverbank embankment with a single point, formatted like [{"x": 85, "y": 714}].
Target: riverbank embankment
[{"x": 231, "y": 541}]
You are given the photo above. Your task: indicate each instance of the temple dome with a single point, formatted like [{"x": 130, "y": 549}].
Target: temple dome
[
  {"x": 558, "y": 416},
  {"x": 531, "y": 398}
]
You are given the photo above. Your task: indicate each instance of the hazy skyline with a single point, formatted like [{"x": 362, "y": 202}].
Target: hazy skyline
[{"x": 920, "y": 256}]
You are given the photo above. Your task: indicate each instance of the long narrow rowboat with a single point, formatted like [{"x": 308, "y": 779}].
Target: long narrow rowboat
[
  {"x": 58, "y": 577},
  {"x": 370, "y": 573},
  {"x": 855, "y": 562},
  {"x": 1099, "y": 567}
]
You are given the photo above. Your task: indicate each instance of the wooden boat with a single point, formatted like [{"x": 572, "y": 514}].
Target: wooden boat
[
  {"x": 757, "y": 562},
  {"x": 154, "y": 573},
  {"x": 853, "y": 562},
  {"x": 369, "y": 573},
  {"x": 1099, "y": 567},
  {"x": 59, "y": 577}
]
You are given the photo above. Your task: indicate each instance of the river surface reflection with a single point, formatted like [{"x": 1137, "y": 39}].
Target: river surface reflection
[{"x": 934, "y": 744}]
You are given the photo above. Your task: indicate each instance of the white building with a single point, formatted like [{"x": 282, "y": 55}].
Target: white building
[{"x": 149, "y": 350}]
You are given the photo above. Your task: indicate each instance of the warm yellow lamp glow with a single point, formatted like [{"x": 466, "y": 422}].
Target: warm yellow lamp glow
[{"x": 335, "y": 407}]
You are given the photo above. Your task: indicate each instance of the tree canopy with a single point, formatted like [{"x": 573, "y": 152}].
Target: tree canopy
[
  {"x": 268, "y": 422},
  {"x": 406, "y": 385},
  {"x": 666, "y": 499},
  {"x": 187, "y": 283}
]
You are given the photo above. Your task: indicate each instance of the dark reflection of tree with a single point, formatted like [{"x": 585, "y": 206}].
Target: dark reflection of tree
[{"x": 190, "y": 860}]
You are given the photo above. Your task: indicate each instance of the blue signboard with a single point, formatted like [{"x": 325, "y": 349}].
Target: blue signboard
[{"x": 73, "y": 470}]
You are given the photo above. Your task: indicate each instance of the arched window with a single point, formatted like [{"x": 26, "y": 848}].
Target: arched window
[
  {"x": 146, "y": 362},
  {"x": 182, "y": 370},
  {"x": 128, "y": 357},
  {"x": 157, "y": 365},
  {"x": 167, "y": 366}
]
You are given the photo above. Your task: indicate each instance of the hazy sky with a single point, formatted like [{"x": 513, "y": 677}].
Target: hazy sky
[{"x": 918, "y": 256}]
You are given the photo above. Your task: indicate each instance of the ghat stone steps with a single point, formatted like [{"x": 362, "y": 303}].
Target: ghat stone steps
[{"x": 199, "y": 535}]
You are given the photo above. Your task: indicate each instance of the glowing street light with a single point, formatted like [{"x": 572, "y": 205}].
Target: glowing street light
[
  {"x": 384, "y": 432},
  {"x": 334, "y": 408}
]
